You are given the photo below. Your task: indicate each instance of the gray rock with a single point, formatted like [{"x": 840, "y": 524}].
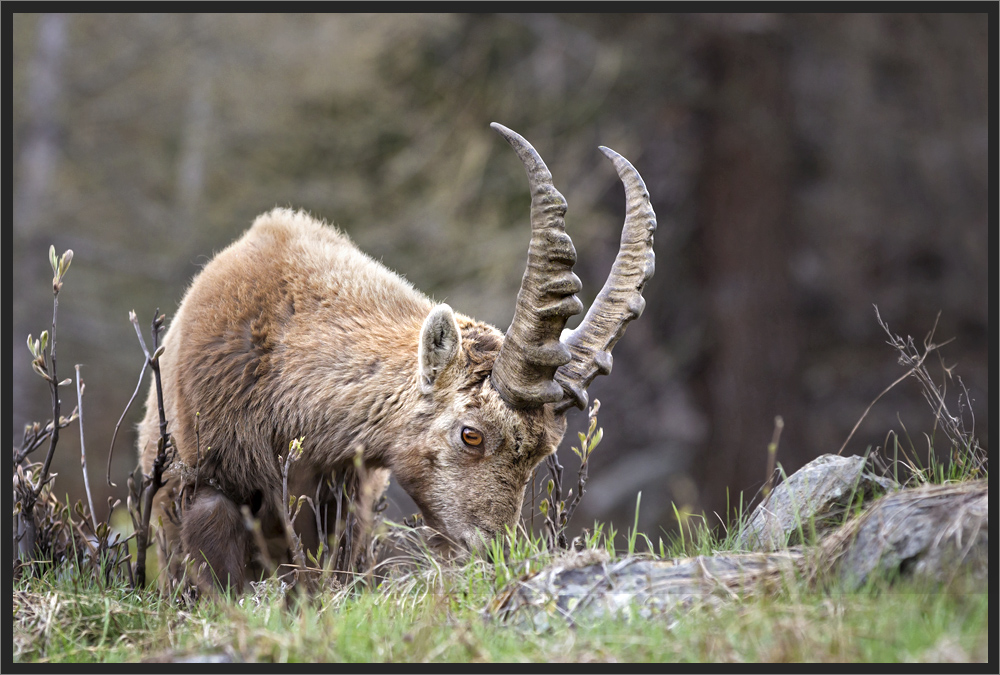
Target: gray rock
[
  {"x": 811, "y": 501},
  {"x": 936, "y": 533},
  {"x": 580, "y": 589}
]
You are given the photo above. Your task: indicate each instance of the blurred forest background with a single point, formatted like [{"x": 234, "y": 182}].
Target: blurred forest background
[{"x": 803, "y": 168}]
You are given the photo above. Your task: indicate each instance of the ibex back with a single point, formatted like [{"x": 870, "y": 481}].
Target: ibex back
[{"x": 293, "y": 332}]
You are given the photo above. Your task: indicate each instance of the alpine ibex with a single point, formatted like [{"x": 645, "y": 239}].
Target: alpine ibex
[{"x": 293, "y": 332}]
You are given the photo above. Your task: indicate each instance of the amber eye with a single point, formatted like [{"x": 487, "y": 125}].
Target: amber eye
[{"x": 472, "y": 437}]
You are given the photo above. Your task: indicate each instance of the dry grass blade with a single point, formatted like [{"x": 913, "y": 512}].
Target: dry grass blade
[{"x": 966, "y": 452}]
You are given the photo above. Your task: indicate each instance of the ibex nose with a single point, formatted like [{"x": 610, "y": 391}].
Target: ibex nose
[
  {"x": 475, "y": 541},
  {"x": 481, "y": 542}
]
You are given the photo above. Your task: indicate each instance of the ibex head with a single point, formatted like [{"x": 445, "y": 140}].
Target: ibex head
[{"x": 497, "y": 403}]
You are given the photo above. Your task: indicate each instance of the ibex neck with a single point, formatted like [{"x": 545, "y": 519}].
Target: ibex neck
[{"x": 361, "y": 381}]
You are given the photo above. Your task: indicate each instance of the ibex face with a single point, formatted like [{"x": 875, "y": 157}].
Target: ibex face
[
  {"x": 468, "y": 469},
  {"x": 292, "y": 332}
]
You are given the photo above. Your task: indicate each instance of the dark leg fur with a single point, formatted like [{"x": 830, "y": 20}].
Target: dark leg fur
[{"x": 213, "y": 531}]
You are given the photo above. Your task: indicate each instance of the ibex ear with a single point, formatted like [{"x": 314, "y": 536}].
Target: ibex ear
[{"x": 440, "y": 340}]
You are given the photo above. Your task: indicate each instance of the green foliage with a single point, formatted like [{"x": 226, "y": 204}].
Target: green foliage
[{"x": 436, "y": 614}]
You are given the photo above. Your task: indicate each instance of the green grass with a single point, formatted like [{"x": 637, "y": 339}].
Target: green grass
[{"x": 437, "y": 613}]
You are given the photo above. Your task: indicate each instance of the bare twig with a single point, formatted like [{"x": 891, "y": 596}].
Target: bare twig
[
  {"x": 80, "y": 386},
  {"x": 554, "y": 500},
  {"x": 917, "y": 364},
  {"x": 111, "y": 450},
  {"x": 588, "y": 443},
  {"x": 35, "y": 435},
  {"x": 965, "y": 451},
  {"x": 554, "y": 508},
  {"x": 45, "y": 365},
  {"x": 321, "y": 520},
  {"x": 291, "y": 505},
  {"x": 253, "y": 525},
  {"x": 58, "y": 270},
  {"x": 772, "y": 454},
  {"x": 154, "y": 481}
]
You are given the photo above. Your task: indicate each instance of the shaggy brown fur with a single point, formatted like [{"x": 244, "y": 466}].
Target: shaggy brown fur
[{"x": 292, "y": 331}]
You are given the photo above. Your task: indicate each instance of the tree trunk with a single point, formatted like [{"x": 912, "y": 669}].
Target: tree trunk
[
  {"x": 196, "y": 131},
  {"x": 743, "y": 205}
]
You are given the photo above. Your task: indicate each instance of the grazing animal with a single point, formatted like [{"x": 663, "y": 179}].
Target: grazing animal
[{"x": 293, "y": 332}]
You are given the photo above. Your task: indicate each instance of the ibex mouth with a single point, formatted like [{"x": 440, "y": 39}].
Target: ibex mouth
[
  {"x": 465, "y": 545},
  {"x": 458, "y": 548}
]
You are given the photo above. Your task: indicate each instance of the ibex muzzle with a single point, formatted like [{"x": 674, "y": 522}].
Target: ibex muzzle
[{"x": 293, "y": 332}]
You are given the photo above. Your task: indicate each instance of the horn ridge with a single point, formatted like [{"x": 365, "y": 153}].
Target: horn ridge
[
  {"x": 620, "y": 300},
  {"x": 531, "y": 352}
]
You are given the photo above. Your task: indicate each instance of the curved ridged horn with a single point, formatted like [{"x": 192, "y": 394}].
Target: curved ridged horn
[
  {"x": 531, "y": 351},
  {"x": 620, "y": 300}
]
